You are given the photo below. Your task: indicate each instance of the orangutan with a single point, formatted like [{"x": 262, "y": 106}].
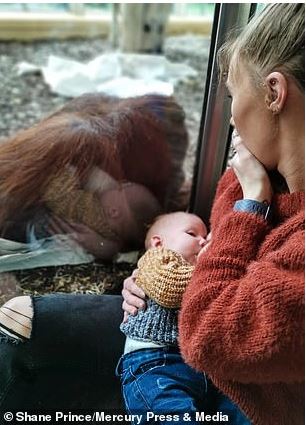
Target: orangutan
[{"x": 93, "y": 145}]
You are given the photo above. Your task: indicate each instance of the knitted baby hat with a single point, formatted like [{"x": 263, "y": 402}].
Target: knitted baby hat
[{"x": 164, "y": 275}]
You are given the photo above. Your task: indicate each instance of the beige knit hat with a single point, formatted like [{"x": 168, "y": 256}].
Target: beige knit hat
[{"x": 164, "y": 275}]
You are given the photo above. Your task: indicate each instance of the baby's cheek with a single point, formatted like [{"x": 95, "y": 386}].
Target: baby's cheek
[{"x": 192, "y": 259}]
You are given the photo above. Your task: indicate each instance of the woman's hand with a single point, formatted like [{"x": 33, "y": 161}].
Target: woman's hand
[
  {"x": 252, "y": 175},
  {"x": 133, "y": 296}
]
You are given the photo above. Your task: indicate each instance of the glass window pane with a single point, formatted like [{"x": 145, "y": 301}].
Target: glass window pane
[
  {"x": 83, "y": 175},
  {"x": 255, "y": 8}
]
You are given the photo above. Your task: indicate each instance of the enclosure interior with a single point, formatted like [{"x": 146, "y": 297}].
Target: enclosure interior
[{"x": 155, "y": 146}]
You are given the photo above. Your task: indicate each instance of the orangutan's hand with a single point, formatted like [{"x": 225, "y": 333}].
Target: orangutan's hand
[{"x": 87, "y": 238}]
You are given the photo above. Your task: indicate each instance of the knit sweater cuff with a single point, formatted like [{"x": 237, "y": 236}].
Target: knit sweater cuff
[{"x": 235, "y": 243}]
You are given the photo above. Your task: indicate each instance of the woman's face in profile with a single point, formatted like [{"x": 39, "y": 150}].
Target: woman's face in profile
[{"x": 250, "y": 116}]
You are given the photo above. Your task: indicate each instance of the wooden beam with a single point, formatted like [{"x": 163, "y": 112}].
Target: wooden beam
[{"x": 42, "y": 26}]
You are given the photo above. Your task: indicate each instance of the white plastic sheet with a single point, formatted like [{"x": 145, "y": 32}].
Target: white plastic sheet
[
  {"x": 115, "y": 74},
  {"x": 54, "y": 251}
]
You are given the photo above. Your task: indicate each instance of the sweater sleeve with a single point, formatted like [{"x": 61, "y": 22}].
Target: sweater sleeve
[{"x": 242, "y": 314}]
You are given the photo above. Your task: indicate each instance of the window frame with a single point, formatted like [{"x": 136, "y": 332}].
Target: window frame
[{"x": 215, "y": 130}]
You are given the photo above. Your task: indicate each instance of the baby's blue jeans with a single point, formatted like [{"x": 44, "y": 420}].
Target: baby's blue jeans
[{"x": 158, "y": 381}]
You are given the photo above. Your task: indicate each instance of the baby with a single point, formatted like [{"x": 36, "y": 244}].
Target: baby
[
  {"x": 153, "y": 374},
  {"x": 118, "y": 212}
]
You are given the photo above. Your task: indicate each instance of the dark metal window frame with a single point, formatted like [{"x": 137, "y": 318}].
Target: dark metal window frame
[{"x": 214, "y": 133}]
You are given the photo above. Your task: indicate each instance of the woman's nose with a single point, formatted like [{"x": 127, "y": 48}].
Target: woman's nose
[{"x": 232, "y": 122}]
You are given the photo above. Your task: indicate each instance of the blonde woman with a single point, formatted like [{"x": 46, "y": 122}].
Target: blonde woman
[{"x": 242, "y": 316}]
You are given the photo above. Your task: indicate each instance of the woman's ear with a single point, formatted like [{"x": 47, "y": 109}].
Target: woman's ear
[
  {"x": 277, "y": 87},
  {"x": 156, "y": 241}
]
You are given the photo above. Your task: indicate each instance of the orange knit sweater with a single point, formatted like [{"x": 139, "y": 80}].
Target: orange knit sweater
[{"x": 242, "y": 316}]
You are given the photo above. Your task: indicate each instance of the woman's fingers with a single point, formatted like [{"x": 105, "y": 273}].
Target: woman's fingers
[
  {"x": 252, "y": 175},
  {"x": 130, "y": 286},
  {"x": 125, "y": 316},
  {"x": 135, "y": 272},
  {"x": 133, "y": 300},
  {"x": 244, "y": 160},
  {"x": 128, "y": 309},
  {"x": 134, "y": 297}
]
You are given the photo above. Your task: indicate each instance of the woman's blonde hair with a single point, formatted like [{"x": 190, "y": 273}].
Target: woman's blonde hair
[{"x": 274, "y": 40}]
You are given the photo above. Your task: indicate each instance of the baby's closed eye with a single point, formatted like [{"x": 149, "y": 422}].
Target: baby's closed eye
[{"x": 191, "y": 233}]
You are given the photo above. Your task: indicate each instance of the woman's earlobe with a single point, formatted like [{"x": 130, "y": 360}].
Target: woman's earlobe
[{"x": 276, "y": 86}]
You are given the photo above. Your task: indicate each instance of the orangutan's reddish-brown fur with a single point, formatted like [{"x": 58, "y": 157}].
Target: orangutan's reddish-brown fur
[{"x": 143, "y": 140}]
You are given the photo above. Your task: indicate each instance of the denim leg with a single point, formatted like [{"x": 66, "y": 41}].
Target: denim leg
[
  {"x": 70, "y": 359},
  {"x": 158, "y": 381}
]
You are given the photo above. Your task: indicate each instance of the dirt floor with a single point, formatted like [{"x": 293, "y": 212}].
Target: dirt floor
[{"x": 26, "y": 99}]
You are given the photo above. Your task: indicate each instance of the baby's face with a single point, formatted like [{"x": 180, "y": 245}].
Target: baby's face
[{"x": 186, "y": 235}]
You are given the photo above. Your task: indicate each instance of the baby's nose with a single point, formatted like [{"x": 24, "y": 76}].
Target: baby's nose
[{"x": 202, "y": 242}]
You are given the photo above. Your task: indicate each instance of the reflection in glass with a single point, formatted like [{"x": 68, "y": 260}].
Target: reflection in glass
[{"x": 81, "y": 185}]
